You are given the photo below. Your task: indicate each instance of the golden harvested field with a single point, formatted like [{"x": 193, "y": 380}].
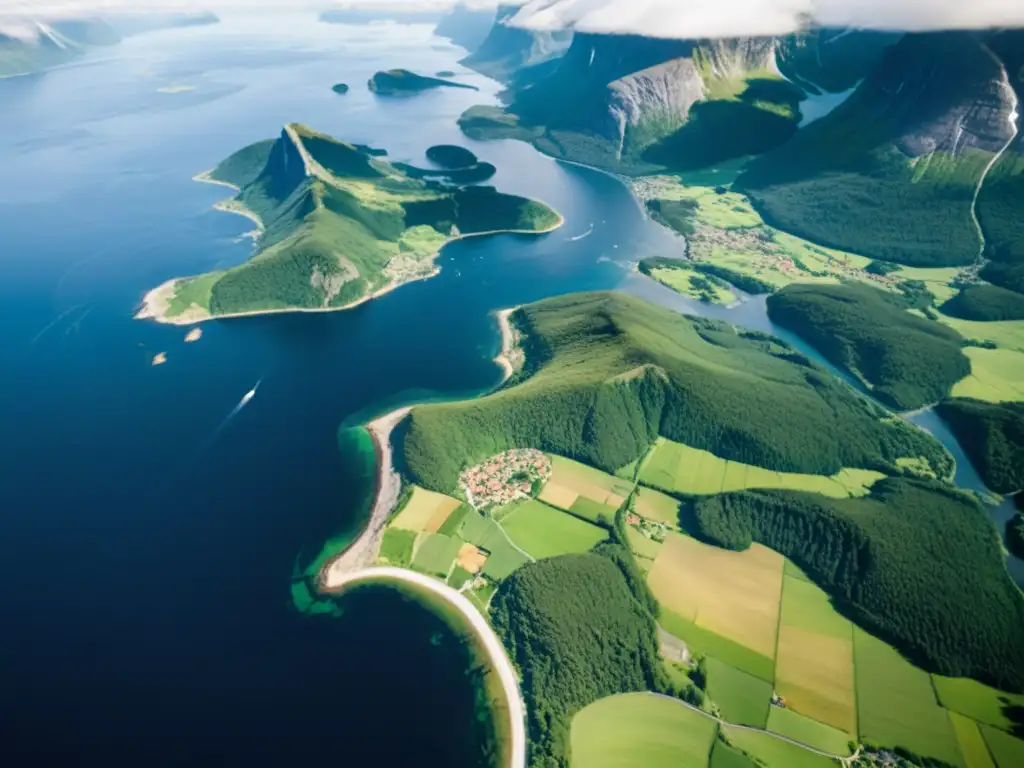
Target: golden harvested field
[
  {"x": 693, "y": 471},
  {"x": 733, "y": 594},
  {"x": 558, "y": 495},
  {"x": 814, "y": 670},
  {"x": 425, "y": 511},
  {"x": 471, "y": 558},
  {"x": 656, "y": 506},
  {"x": 590, "y": 483}
]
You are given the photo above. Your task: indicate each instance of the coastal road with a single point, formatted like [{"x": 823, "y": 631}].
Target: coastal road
[{"x": 336, "y": 580}]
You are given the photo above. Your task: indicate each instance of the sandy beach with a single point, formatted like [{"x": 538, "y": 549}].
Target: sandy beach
[
  {"x": 363, "y": 550},
  {"x": 510, "y": 358}
]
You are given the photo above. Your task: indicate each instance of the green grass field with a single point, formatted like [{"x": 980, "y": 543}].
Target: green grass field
[
  {"x": 595, "y": 511},
  {"x": 656, "y": 506},
  {"x": 396, "y": 547},
  {"x": 1007, "y": 751},
  {"x": 775, "y": 753},
  {"x": 814, "y": 669},
  {"x": 742, "y": 698},
  {"x": 725, "y": 756},
  {"x": 544, "y": 531},
  {"x": 458, "y": 577},
  {"x": 896, "y": 704},
  {"x": 704, "y": 642},
  {"x": 435, "y": 554},
  {"x": 425, "y": 511},
  {"x": 641, "y": 730},
  {"x": 976, "y": 700},
  {"x": 997, "y": 375},
  {"x": 972, "y": 744},
  {"x": 682, "y": 469},
  {"x": 486, "y": 534},
  {"x": 689, "y": 283},
  {"x": 451, "y": 526},
  {"x": 807, "y": 731},
  {"x": 641, "y": 545},
  {"x": 192, "y": 292}
]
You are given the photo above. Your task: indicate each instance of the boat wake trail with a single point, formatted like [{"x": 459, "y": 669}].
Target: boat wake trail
[
  {"x": 206, "y": 444},
  {"x": 588, "y": 233}
]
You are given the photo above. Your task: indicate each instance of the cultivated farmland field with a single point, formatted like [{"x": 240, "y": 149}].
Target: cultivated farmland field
[
  {"x": 703, "y": 642},
  {"x": 655, "y": 505},
  {"x": 742, "y": 698},
  {"x": 544, "y": 531},
  {"x": 425, "y": 511},
  {"x": 976, "y": 700},
  {"x": 808, "y": 731},
  {"x": 1007, "y": 751},
  {"x": 680, "y": 468},
  {"x": 396, "y": 547},
  {"x": 503, "y": 557},
  {"x": 814, "y": 669},
  {"x": 896, "y": 703},
  {"x": 972, "y": 744},
  {"x": 997, "y": 375},
  {"x": 641, "y": 729},
  {"x": 724, "y": 756},
  {"x": 571, "y": 480},
  {"x": 776, "y": 753},
  {"x": 733, "y": 594},
  {"x": 436, "y": 553}
]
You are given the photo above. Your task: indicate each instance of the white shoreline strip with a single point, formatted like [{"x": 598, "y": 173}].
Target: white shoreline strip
[
  {"x": 507, "y": 341},
  {"x": 495, "y": 650},
  {"x": 363, "y": 551}
]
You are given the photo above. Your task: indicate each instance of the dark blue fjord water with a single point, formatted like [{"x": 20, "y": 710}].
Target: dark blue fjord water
[{"x": 148, "y": 541}]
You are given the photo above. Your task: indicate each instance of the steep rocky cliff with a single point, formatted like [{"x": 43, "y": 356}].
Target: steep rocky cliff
[
  {"x": 466, "y": 26},
  {"x": 507, "y": 50}
]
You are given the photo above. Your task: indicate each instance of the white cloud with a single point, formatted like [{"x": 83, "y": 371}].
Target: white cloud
[
  {"x": 49, "y": 8},
  {"x": 723, "y": 18}
]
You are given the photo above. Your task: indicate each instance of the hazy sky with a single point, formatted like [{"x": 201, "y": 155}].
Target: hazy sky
[{"x": 662, "y": 18}]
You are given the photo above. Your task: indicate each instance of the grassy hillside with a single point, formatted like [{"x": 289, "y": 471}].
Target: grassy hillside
[
  {"x": 992, "y": 435},
  {"x": 907, "y": 361},
  {"x": 916, "y": 563},
  {"x": 888, "y": 174},
  {"x": 339, "y": 222},
  {"x": 577, "y": 634},
  {"x": 606, "y": 374},
  {"x": 985, "y": 303}
]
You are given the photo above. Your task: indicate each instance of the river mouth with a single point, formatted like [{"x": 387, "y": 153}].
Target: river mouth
[{"x": 150, "y": 539}]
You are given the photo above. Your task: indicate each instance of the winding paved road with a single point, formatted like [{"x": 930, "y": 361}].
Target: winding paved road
[{"x": 335, "y": 580}]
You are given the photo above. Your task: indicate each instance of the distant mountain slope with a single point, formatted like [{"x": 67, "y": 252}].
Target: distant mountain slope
[
  {"x": 466, "y": 27},
  {"x": 338, "y": 223},
  {"x": 892, "y": 172},
  {"x": 606, "y": 374},
  {"x": 35, "y": 45},
  {"x": 832, "y": 60},
  {"x": 507, "y": 51},
  {"x": 384, "y": 12},
  {"x": 1001, "y": 201}
]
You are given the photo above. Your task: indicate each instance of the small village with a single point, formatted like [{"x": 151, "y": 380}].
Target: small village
[{"x": 515, "y": 474}]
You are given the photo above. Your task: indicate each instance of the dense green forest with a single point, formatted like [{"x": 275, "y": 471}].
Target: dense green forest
[
  {"x": 985, "y": 303},
  {"x": 917, "y": 563},
  {"x": 576, "y": 634},
  {"x": 1015, "y": 533},
  {"x": 908, "y": 361},
  {"x": 339, "y": 217},
  {"x": 451, "y": 156},
  {"x": 1005, "y": 275},
  {"x": 607, "y": 373},
  {"x": 992, "y": 435},
  {"x": 865, "y": 177},
  {"x": 763, "y": 116}
]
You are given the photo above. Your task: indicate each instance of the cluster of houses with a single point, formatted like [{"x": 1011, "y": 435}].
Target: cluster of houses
[{"x": 511, "y": 475}]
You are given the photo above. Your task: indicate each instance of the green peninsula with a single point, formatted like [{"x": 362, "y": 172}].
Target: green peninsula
[
  {"x": 402, "y": 82},
  {"x": 338, "y": 224}
]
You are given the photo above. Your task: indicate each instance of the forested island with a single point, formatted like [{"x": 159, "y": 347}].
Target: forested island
[
  {"x": 402, "y": 82},
  {"x": 338, "y": 224}
]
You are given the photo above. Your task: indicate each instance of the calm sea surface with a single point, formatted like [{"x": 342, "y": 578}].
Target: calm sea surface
[{"x": 147, "y": 539}]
